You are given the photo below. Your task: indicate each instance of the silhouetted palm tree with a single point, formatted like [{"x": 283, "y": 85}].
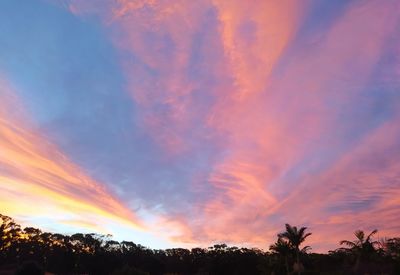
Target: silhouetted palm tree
[
  {"x": 295, "y": 237},
  {"x": 98, "y": 254},
  {"x": 362, "y": 247},
  {"x": 283, "y": 249}
]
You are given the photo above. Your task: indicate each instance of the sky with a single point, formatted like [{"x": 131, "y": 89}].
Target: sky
[{"x": 189, "y": 123}]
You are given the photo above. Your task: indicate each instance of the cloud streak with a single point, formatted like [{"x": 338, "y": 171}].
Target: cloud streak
[
  {"x": 37, "y": 179},
  {"x": 260, "y": 113}
]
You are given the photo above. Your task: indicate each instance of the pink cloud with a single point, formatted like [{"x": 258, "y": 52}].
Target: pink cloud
[
  {"x": 36, "y": 179},
  {"x": 276, "y": 109},
  {"x": 268, "y": 134}
]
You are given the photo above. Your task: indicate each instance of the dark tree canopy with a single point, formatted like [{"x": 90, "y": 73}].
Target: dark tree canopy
[{"x": 36, "y": 251}]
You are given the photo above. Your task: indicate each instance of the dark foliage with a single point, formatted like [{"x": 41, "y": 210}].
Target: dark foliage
[{"x": 30, "y": 251}]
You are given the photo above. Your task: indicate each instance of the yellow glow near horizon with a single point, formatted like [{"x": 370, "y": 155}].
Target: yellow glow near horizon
[{"x": 36, "y": 179}]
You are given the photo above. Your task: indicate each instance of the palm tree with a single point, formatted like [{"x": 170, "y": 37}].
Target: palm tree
[
  {"x": 282, "y": 248},
  {"x": 362, "y": 247},
  {"x": 295, "y": 237}
]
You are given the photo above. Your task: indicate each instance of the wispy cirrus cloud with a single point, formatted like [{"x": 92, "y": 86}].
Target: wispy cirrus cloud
[
  {"x": 297, "y": 128},
  {"x": 360, "y": 190},
  {"x": 37, "y": 179},
  {"x": 260, "y": 119}
]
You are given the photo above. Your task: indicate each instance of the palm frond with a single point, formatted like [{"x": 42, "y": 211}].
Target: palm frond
[
  {"x": 360, "y": 235},
  {"x": 370, "y": 235},
  {"x": 305, "y": 249},
  {"x": 301, "y": 231},
  {"x": 304, "y": 237},
  {"x": 291, "y": 230},
  {"x": 348, "y": 243}
]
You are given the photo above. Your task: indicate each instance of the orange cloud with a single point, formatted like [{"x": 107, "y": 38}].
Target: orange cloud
[
  {"x": 240, "y": 180},
  {"x": 265, "y": 121},
  {"x": 268, "y": 134},
  {"x": 359, "y": 191},
  {"x": 37, "y": 180},
  {"x": 163, "y": 43},
  {"x": 254, "y": 35}
]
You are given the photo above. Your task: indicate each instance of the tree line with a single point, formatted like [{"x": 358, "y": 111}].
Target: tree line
[{"x": 21, "y": 249}]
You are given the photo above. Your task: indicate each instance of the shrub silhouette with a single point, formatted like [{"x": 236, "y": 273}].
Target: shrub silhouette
[{"x": 98, "y": 254}]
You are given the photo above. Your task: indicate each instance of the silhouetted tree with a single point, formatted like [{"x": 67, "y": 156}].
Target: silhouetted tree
[
  {"x": 283, "y": 249},
  {"x": 98, "y": 254},
  {"x": 10, "y": 234},
  {"x": 390, "y": 247},
  {"x": 295, "y": 237},
  {"x": 362, "y": 247}
]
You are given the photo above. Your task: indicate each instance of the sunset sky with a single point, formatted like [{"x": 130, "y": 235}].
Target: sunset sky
[{"x": 188, "y": 123}]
